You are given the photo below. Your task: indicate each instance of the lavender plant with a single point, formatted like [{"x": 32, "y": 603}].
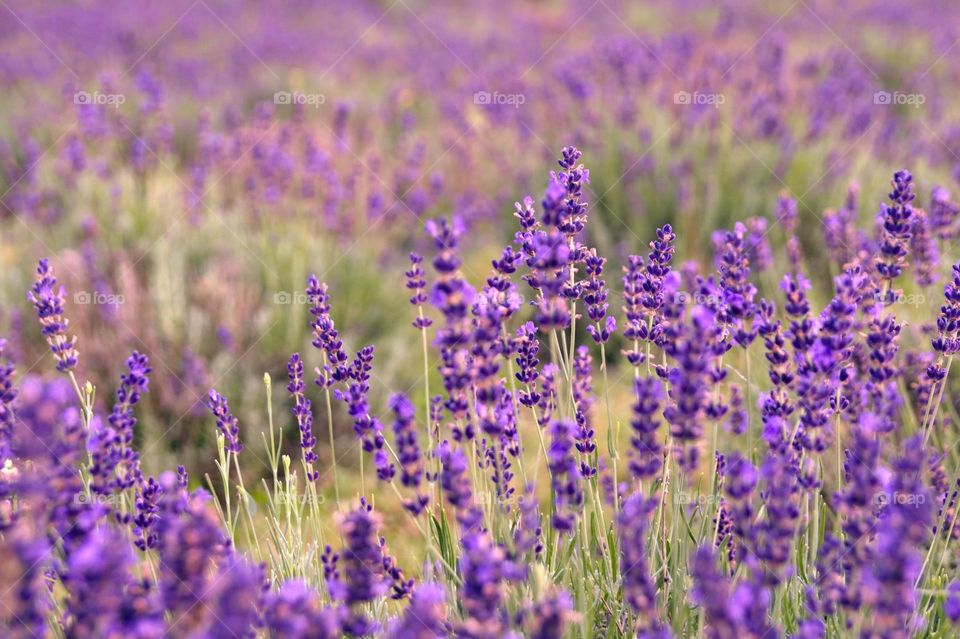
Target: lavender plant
[{"x": 777, "y": 538}]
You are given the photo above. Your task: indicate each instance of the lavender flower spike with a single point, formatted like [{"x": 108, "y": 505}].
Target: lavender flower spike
[
  {"x": 48, "y": 300},
  {"x": 303, "y": 412},
  {"x": 226, "y": 423},
  {"x": 896, "y": 226}
]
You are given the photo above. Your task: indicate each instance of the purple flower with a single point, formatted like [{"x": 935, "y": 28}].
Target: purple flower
[
  {"x": 528, "y": 534},
  {"x": 646, "y": 452},
  {"x": 689, "y": 381},
  {"x": 366, "y": 427},
  {"x": 595, "y": 296},
  {"x": 896, "y": 224},
  {"x": 456, "y": 485},
  {"x": 548, "y": 618},
  {"x": 903, "y": 531},
  {"x": 923, "y": 247},
  {"x": 235, "y": 599},
  {"x": 303, "y": 413},
  {"x": 295, "y": 612},
  {"x": 738, "y": 293},
  {"x": 786, "y": 214},
  {"x": 408, "y": 450},
  {"x": 583, "y": 402},
  {"x": 527, "y": 349},
  {"x": 361, "y": 564},
  {"x": 550, "y": 263},
  {"x": 226, "y": 423},
  {"x": 711, "y": 592},
  {"x": 325, "y": 336},
  {"x": 417, "y": 283},
  {"x": 27, "y": 558},
  {"x": 947, "y": 340},
  {"x": 565, "y": 475},
  {"x": 115, "y": 465},
  {"x": 48, "y": 301},
  {"x": 99, "y": 582},
  {"x": 453, "y": 296},
  {"x": 425, "y": 617},
  {"x": 772, "y": 536},
  {"x": 951, "y": 603},
  {"x": 485, "y": 568},
  {"x": 146, "y": 515},
  {"x": 856, "y": 504},
  {"x": 8, "y": 395},
  {"x": 571, "y": 217},
  {"x": 638, "y": 586},
  {"x": 643, "y": 291},
  {"x": 190, "y": 546},
  {"x": 943, "y": 214}
]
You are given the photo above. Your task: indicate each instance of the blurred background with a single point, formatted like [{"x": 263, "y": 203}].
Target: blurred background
[{"x": 187, "y": 164}]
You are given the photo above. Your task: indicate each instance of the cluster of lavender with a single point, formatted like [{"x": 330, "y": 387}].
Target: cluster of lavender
[
  {"x": 376, "y": 133},
  {"x": 529, "y": 527}
]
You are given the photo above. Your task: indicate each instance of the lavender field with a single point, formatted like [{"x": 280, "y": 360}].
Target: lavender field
[{"x": 484, "y": 320}]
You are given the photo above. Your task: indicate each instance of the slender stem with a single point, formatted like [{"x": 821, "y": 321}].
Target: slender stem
[{"x": 611, "y": 436}]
